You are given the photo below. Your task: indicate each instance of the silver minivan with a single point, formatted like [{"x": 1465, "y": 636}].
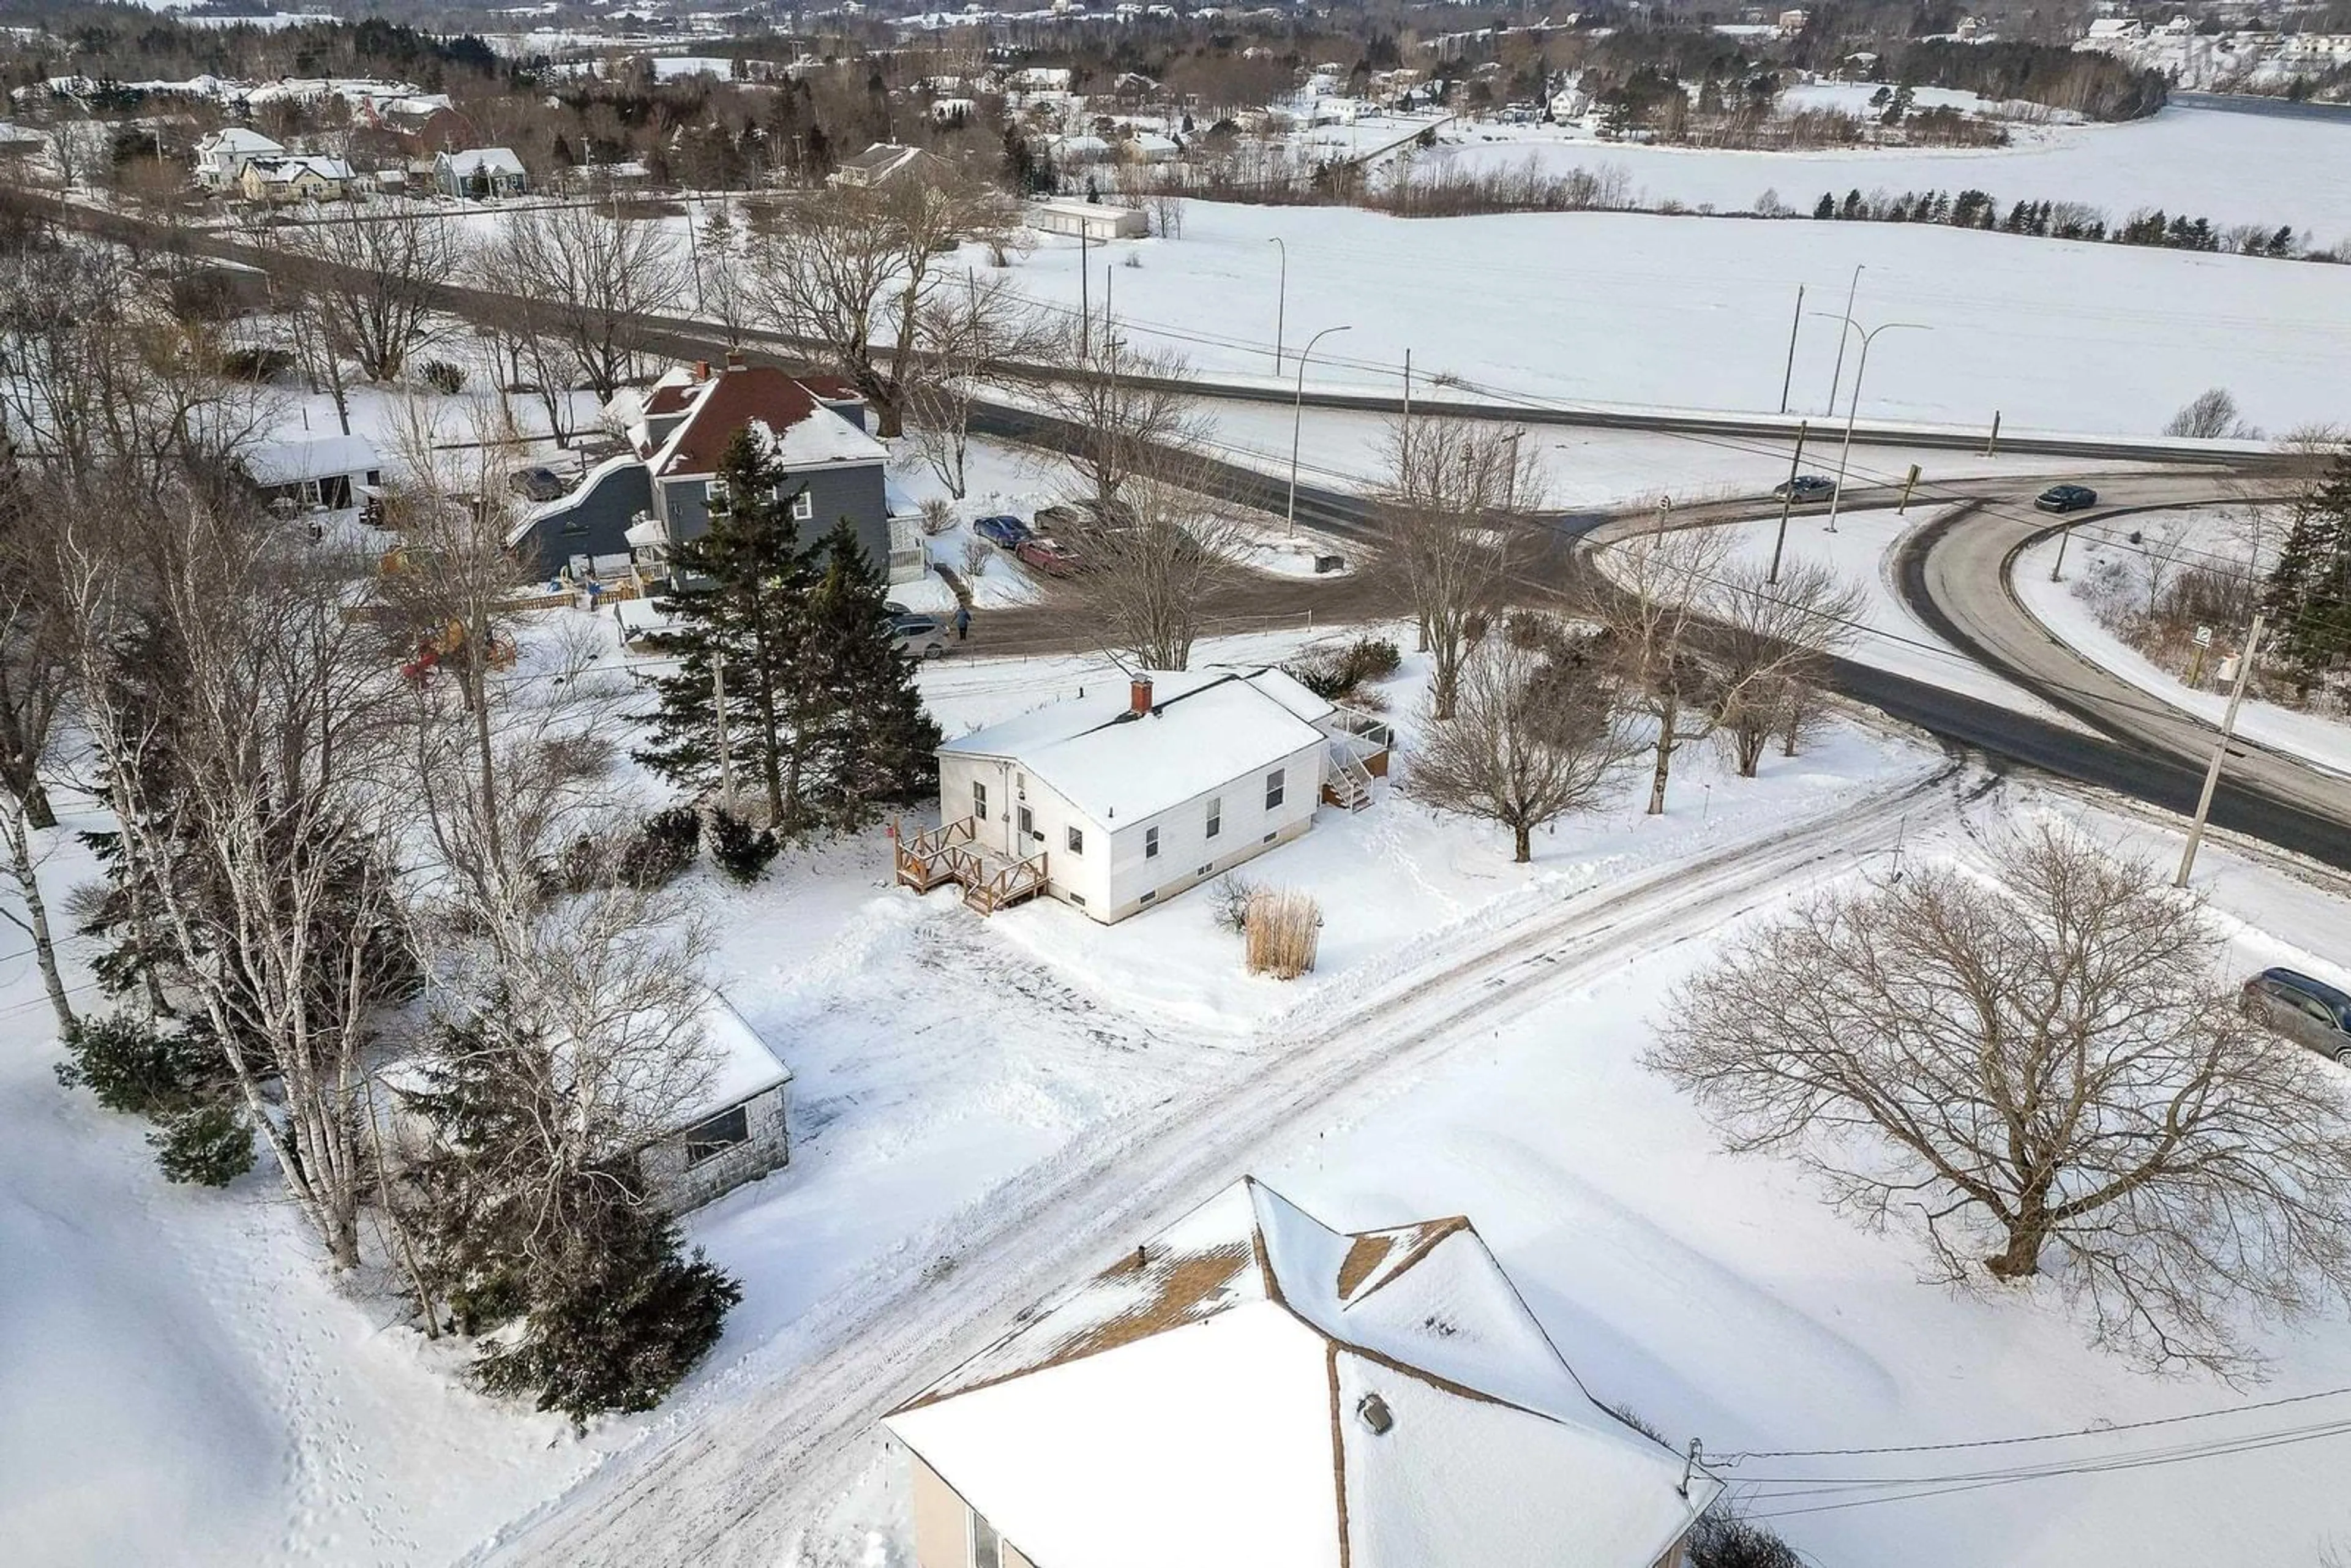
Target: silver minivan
[{"x": 2309, "y": 1011}]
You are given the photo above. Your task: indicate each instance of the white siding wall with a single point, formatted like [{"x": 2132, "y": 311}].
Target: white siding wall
[{"x": 1109, "y": 878}]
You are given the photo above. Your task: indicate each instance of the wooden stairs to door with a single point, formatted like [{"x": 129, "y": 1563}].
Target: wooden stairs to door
[
  {"x": 952, "y": 852},
  {"x": 1349, "y": 783}
]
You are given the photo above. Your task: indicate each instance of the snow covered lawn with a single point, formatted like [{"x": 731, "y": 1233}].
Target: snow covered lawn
[
  {"x": 2315, "y": 739},
  {"x": 1722, "y": 1298},
  {"x": 1618, "y": 308}
]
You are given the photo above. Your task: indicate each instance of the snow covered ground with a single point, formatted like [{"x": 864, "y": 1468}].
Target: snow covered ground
[
  {"x": 2233, "y": 168},
  {"x": 2318, "y": 739},
  {"x": 1613, "y": 308},
  {"x": 1721, "y": 1296}
]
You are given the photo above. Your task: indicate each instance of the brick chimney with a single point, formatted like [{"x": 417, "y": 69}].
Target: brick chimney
[
  {"x": 734, "y": 359},
  {"x": 702, "y": 370},
  {"x": 1138, "y": 695}
]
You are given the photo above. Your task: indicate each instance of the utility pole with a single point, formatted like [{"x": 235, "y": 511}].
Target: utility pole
[
  {"x": 2057, "y": 567},
  {"x": 2220, "y": 751},
  {"x": 1085, "y": 287},
  {"x": 1788, "y": 379},
  {"x": 1511, "y": 476},
  {"x": 726, "y": 756},
  {"x": 1282, "y": 304},
  {"x": 1836, "y": 377},
  {"x": 1787, "y": 501}
]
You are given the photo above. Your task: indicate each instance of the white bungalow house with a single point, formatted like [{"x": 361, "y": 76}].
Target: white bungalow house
[
  {"x": 1096, "y": 221},
  {"x": 295, "y": 177},
  {"x": 1117, "y": 799},
  {"x": 1254, "y": 1388},
  {"x": 221, "y": 156}
]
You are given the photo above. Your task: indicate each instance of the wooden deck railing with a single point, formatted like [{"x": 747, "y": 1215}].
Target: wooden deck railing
[{"x": 951, "y": 852}]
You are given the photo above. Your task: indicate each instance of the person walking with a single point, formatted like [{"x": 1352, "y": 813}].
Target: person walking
[{"x": 963, "y": 622}]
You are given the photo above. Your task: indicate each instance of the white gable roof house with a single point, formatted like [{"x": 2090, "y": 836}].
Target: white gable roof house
[
  {"x": 1253, "y": 1388},
  {"x": 1115, "y": 801}
]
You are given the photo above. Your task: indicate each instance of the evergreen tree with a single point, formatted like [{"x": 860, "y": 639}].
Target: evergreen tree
[
  {"x": 868, "y": 739},
  {"x": 743, "y": 625},
  {"x": 2308, "y": 598},
  {"x": 1827, "y": 207}
]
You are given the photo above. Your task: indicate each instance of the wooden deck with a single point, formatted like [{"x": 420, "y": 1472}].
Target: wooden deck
[{"x": 951, "y": 853}]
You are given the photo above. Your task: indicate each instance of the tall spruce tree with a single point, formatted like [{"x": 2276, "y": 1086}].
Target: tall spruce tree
[
  {"x": 868, "y": 737},
  {"x": 2308, "y": 597},
  {"x": 820, "y": 704},
  {"x": 745, "y": 627}
]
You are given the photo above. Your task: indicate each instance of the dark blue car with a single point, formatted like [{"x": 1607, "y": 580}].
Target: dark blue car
[{"x": 1003, "y": 532}]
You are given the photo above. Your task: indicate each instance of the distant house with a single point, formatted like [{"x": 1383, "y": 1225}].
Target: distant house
[
  {"x": 480, "y": 172},
  {"x": 885, "y": 162},
  {"x": 736, "y": 1127},
  {"x": 295, "y": 177},
  {"x": 635, "y": 508},
  {"x": 221, "y": 156},
  {"x": 423, "y": 125},
  {"x": 1070, "y": 150},
  {"x": 1253, "y": 1388},
  {"x": 337, "y": 471},
  {"x": 1093, "y": 220},
  {"x": 1116, "y": 801},
  {"x": 1149, "y": 147},
  {"x": 2108, "y": 29}
]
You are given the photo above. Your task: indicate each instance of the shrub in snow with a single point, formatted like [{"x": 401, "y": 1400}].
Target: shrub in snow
[
  {"x": 1334, "y": 673},
  {"x": 1283, "y": 930},
  {"x": 937, "y": 516},
  {"x": 1228, "y": 900},
  {"x": 444, "y": 377},
  {"x": 211, "y": 1145},
  {"x": 134, "y": 1067},
  {"x": 1721, "y": 1540},
  {"x": 660, "y": 848},
  {"x": 741, "y": 849},
  {"x": 977, "y": 554}
]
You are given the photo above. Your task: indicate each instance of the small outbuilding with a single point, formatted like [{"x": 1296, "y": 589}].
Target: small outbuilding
[
  {"x": 736, "y": 1130},
  {"x": 336, "y": 472},
  {"x": 1092, "y": 220}
]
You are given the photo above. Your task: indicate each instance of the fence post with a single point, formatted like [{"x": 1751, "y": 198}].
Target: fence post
[{"x": 1993, "y": 445}]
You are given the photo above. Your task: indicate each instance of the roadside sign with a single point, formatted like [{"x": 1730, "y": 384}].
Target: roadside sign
[{"x": 2203, "y": 636}]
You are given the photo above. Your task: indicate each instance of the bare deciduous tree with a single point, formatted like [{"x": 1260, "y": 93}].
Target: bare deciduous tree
[
  {"x": 965, "y": 330},
  {"x": 1449, "y": 512},
  {"x": 2039, "y": 1067},
  {"x": 247, "y": 734},
  {"x": 377, "y": 281},
  {"x": 1654, "y": 605},
  {"x": 1128, "y": 409},
  {"x": 1535, "y": 734},
  {"x": 1149, "y": 571},
  {"x": 1767, "y": 647},
  {"x": 590, "y": 277},
  {"x": 35, "y": 678},
  {"x": 851, "y": 267},
  {"x": 2211, "y": 414}
]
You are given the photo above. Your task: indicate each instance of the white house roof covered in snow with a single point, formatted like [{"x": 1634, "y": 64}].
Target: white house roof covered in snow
[
  {"x": 1206, "y": 727},
  {"x": 1253, "y": 1388},
  {"x": 291, "y": 459},
  {"x": 487, "y": 161}
]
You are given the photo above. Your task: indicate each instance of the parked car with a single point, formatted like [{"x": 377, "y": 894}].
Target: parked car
[
  {"x": 921, "y": 635},
  {"x": 1082, "y": 517},
  {"x": 537, "y": 484},
  {"x": 1051, "y": 559},
  {"x": 2309, "y": 1011},
  {"x": 1003, "y": 532},
  {"x": 1806, "y": 487},
  {"x": 2066, "y": 499}
]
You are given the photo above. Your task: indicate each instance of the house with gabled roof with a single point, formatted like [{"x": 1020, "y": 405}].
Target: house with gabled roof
[
  {"x": 1117, "y": 800},
  {"x": 221, "y": 156},
  {"x": 641, "y": 503},
  {"x": 1253, "y": 1388},
  {"x": 885, "y": 162}
]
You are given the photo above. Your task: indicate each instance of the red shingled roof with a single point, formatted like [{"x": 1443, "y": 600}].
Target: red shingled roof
[{"x": 732, "y": 399}]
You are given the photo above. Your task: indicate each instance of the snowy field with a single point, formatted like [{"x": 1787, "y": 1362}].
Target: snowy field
[
  {"x": 1612, "y": 308},
  {"x": 2322, "y": 741},
  {"x": 2233, "y": 168}
]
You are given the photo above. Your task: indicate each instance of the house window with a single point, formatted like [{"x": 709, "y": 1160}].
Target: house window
[
  {"x": 1028, "y": 824},
  {"x": 979, "y": 799},
  {"x": 1273, "y": 789},
  {"x": 1216, "y": 817},
  {"x": 986, "y": 1546},
  {"x": 717, "y": 1136},
  {"x": 714, "y": 494},
  {"x": 1151, "y": 843},
  {"x": 1077, "y": 838},
  {"x": 803, "y": 507}
]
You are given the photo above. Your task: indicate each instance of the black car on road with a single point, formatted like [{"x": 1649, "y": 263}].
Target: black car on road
[{"x": 2066, "y": 499}]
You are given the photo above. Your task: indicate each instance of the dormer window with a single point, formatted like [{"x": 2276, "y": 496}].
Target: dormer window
[{"x": 803, "y": 507}]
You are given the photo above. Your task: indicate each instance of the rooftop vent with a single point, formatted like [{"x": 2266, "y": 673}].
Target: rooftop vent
[{"x": 1375, "y": 1414}]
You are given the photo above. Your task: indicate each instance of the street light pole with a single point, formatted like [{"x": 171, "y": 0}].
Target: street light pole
[
  {"x": 1787, "y": 501},
  {"x": 1297, "y": 420},
  {"x": 1281, "y": 301},
  {"x": 2220, "y": 751},
  {"x": 1836, "y": 378},
  {"x": 1853, "y": 409}
]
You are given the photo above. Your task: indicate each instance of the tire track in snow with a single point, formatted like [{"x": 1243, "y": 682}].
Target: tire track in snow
[{"x": 750, "y": 1480}]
